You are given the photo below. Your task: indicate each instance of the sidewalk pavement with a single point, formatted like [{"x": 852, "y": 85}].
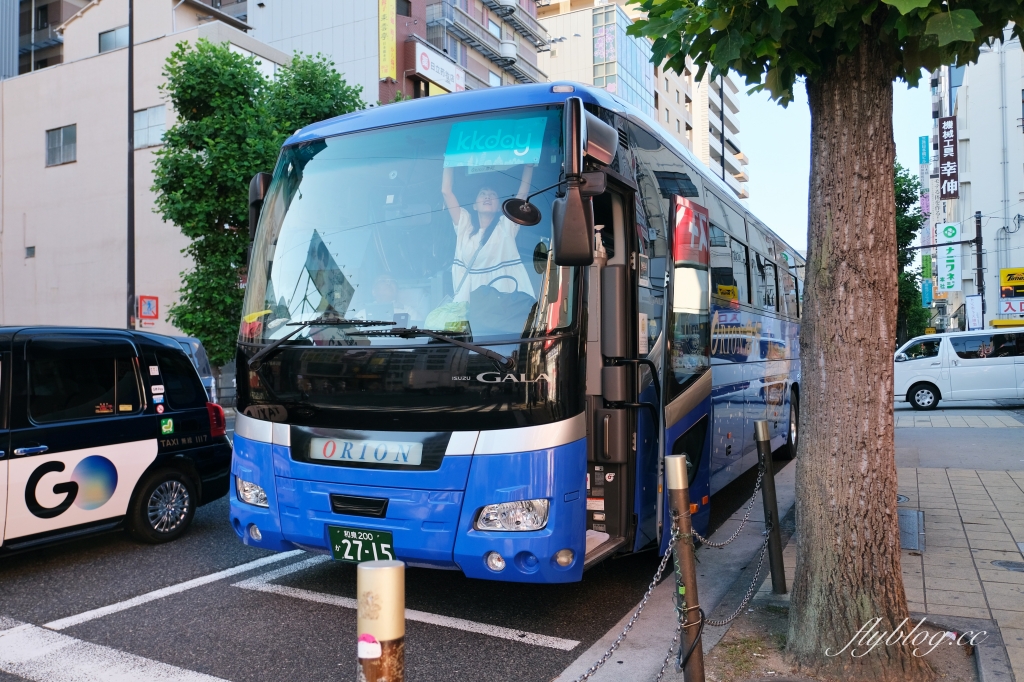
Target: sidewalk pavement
[
  {"x": 719, "y": 572},
  {"x": 972, "y": 519}
]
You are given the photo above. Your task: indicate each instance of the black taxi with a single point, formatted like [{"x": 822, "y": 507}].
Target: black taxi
[{"x": 102, "y": 429}]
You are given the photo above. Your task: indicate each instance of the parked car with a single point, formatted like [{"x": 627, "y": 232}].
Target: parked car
[
  {"x": 195, "y": 351},
  {"x": 978, "y": 365},
  {"x": 102, "y": 429}
]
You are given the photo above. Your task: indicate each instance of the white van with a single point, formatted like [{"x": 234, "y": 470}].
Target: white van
[{"x": 978, "y": 365}]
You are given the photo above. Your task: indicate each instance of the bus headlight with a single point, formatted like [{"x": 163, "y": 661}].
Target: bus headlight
[
  {"x": 520, "y": 515},
  {"x": 250, "y": 493}
]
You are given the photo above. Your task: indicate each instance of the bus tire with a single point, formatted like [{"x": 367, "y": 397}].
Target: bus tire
[
  {"x": 163, "y": 507},
  {"x": 788, "y": 451},
  {"x": 923, "y": 396}
]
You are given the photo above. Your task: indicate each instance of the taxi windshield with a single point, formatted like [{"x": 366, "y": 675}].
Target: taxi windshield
[{"x": 404, "y": 225}]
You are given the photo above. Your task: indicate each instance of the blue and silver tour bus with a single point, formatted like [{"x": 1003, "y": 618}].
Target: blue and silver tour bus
[{"x": 475, "y": 324}]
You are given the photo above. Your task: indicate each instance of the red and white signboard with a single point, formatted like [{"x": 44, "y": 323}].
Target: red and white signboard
[
  {"x": 149, "y": 307},
  {"x": 690, "y": 243},
  {"x": 438, "y": 69}
]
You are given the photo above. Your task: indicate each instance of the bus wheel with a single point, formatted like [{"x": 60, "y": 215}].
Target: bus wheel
[
  {"x": 789, "y": 451},
  {"x": 163, "y": 507},
  {"x": 923, "y": 397}
]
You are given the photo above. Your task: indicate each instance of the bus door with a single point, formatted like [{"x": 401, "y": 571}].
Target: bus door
[
  {"x": 687, "y": 373},
  {"x": 610, "y": 377},
  {"x": 5, "y": 372}
]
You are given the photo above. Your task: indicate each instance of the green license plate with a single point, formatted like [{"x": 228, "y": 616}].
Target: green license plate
[{"x": 357, "y": 544}]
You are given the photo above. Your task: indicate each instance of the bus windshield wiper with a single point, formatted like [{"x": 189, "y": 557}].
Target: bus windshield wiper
[
  {"x": 254, "y": 361},
  {"x": 505, "y": 363}
]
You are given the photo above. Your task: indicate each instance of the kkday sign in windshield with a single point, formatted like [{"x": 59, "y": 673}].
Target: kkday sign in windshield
[
  {"x": 495, "y": 143},
  {"x": 947, "y": 266}
]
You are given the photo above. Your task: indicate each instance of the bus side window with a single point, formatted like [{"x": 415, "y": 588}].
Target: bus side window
[
  {"x": 788, "y": 298},
  {"x": 765, "y": 286},
  {"x": 729, "y": 277}
]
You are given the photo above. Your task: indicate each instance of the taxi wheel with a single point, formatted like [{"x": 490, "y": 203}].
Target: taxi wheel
[{"x": 163, "y": 507}]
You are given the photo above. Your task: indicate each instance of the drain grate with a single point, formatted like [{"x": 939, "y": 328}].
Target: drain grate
[
  {"x": 911, "y": 528},
  {"x": 1015, "y": 566}
]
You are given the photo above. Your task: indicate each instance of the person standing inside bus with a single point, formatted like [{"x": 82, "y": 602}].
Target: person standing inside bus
[{"x": 485, "y": 244}]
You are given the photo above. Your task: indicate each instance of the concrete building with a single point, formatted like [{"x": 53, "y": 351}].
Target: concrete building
[
  {"x": 585, "y": 49},
  {"x": 63, "y": 166},
  {"x": 984, "y": 99},
  {"x": 412, "y": 47}
]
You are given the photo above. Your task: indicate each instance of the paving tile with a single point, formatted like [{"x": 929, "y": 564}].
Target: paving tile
[
  {"x": 995, "y": 555},
  {"x": 1016, "y": 656},
  {"x": 1013, "y": 638},
  {"x": 955, "y": 598},
  {"x": 993, "y": 574},
  {"x": 915, "y": 607},
  {"x": 1006, "y": 545},
  {"x": 991, "y": 535},
  {"x": 953, "y": 584},
  {"x": 957, "y": 421},
  {"x": 963, "y": 611},
  {"x": 942, "y": 541},
  {"x": 1005, "y": 596},
  {"x": 993, "y": 422},
  {"x": 914, "y": 594},
  {"x": 1009, "y": 619},
  {"x": 963, "y": 572}
]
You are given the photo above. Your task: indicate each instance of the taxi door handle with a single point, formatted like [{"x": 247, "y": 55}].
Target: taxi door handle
[
  {"x": 37, "y": 450},
  {"x": 936, "y": 364}
]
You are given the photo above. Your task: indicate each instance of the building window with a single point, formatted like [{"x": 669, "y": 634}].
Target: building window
[
  {"x": 112, "y": 40},
  {"x": 494, "y": 28},
  {"x": 149, "y": 126},
  {"x": 677, "y": 125},
  {"x": 42, "y": 17},
  {"x": 666, "y": 116},
  {"x": 677, "y": 97},
  {"x": 493, "y": 79},
  {"x": 403, "y": 8},
  {"x": 666, "y": 85},
  {"x": 30, "y": 252},
  {"x": 61, "y": 145}
]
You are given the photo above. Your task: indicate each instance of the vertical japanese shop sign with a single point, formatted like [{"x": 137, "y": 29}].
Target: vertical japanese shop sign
[
  {"x": 387, "y": 46},
  {"x": 947, "y": 265},
  {"x": 949, "y": 172},
  {"x": 926, "y": 266},
  {"x": 926, "y": 293}
]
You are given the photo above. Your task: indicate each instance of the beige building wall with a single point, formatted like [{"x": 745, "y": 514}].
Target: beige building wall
[
  {"x": 75, "y": 214},
  {"x": 687, "y": 109}
]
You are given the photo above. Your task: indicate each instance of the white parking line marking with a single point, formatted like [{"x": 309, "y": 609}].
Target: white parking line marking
[
  {"x": 261, "y": 583},
  {"x": 64, "y": 623},
  {"x": 45, "y": 656}
]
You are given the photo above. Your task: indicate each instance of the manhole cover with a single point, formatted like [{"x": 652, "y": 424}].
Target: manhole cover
[
  {"x": 900, "y": 499},
  {"x": 1016, "y": 566}
]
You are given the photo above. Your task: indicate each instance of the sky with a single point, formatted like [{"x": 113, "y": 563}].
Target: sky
[{"x": 777, "y": 142}]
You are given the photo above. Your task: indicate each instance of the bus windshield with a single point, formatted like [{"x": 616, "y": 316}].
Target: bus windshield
[{"x": 404, "y": 225}]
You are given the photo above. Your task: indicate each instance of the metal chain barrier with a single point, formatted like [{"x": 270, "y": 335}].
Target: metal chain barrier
[
  {"x": 636, "y": 614},
  {"x": 746, "y": 516},
  {"x": 678, "y": 598}
]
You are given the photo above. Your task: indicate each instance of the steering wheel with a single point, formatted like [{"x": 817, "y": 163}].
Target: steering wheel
[{"x": 501, "y": 277}]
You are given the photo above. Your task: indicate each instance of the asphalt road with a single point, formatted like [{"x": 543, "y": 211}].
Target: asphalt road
[{"x": 290, "y": 618}]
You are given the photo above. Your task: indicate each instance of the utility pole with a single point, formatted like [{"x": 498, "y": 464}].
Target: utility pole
[
  {"x": 131, "y": 166},
  {"x": 981, "y": 273}
]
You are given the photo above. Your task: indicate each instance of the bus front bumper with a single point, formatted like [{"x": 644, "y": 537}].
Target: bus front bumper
[{"x": 431, "y": 528}]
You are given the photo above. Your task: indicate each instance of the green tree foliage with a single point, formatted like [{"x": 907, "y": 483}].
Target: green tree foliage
[
  {"x": 231, "y": 124},
  {"x": 773, "y": 42},
  {"x": 911, "y": 317}
]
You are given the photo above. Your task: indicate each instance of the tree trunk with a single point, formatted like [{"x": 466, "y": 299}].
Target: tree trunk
[{"x": 848, "y": 550}]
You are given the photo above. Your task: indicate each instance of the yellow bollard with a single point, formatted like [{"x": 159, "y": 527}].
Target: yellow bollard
[{"x": 380, "y": 591}]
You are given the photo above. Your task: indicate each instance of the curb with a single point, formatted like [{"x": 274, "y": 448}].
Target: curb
[{"x": 990, "y": 658}]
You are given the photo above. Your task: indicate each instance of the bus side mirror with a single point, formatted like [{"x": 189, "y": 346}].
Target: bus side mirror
[
  {"x": 572, "y": 215},
  {"x": 258, "y": 187}
]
